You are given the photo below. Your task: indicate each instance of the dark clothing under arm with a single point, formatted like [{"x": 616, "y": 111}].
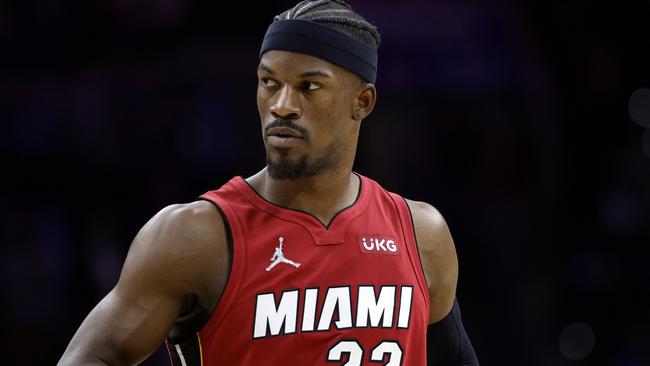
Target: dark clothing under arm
[{"x": 447, "y": 342}]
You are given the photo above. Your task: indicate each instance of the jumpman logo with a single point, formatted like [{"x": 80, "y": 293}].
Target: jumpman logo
[{"x": 278, "y": 257}]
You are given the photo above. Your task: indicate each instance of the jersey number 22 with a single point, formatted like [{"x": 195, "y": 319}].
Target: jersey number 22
[{"x": 355, "y": 352}]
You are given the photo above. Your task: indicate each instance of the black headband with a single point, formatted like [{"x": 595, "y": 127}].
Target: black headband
[{"x": 311, "y": 38}]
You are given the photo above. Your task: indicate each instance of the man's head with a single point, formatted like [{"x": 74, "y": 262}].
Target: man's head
[{"x": 317, "y": 66}]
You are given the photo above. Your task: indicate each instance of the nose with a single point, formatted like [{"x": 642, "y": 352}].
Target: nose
[{"x": 287, "y": 104}]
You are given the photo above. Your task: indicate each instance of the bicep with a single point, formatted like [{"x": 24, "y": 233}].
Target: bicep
[{"x": 168, "y": 260}]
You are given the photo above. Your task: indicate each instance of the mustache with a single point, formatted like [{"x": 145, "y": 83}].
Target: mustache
[{"x": 282, "y": 122}]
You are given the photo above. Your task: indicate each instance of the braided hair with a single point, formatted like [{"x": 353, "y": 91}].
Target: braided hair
[{"x": 335, "y": 14}]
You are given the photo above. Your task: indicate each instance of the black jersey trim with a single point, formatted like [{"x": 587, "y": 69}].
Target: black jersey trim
[
  {"x": 229, "y": 238},
  {"x": 417, "y": 245},
  {"x": 326, "y": 226},
  {"x": 187, "y": 353},
  {"x": 230, "y": 241}
]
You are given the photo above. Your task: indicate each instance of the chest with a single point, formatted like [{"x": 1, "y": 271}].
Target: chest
[{"x": 368, "y": 249}]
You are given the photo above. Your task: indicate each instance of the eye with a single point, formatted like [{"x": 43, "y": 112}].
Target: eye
[
  {"x": 309, "y": 86},
  {"x": 268, "y": 83}
]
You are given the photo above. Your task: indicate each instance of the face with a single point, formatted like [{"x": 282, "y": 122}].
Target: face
[{"x": 307, "y": 108}]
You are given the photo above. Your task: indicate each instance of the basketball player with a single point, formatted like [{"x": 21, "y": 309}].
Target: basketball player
[{"x": 305, "y": 262}]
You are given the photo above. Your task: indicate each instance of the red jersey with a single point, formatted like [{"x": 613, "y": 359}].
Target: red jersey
[{"x": 302, "y": 293}]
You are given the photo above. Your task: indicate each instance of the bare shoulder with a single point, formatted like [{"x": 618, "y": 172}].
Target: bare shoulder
[
  {"x": 431, "y": 228},
  {"x": 198, "y": 214},
  {"x": 183, "y": 227},
  {"x": 191, "y": 223},
  {"x": 183, "y": 241},
  {"x": 438, "y": 257}
]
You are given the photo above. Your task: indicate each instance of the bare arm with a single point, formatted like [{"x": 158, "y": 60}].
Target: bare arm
[
  {"x": 447, "y": 341},
  {"x": 181, "y": 251},
  {"x": 438, "y": 256}
]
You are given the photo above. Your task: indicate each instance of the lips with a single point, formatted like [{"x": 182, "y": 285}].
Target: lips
[
  {"x": 284, "y": 137},
  {"x": 283, "y": 132}
]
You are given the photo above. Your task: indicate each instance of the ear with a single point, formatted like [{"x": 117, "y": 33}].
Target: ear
[{"x": 364, "y": 101}]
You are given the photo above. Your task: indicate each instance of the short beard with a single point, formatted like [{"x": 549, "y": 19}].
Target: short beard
[{"x": 284, "y": 168}]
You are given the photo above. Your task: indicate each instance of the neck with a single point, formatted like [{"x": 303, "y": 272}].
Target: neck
[{"x": 322, "y": 195}]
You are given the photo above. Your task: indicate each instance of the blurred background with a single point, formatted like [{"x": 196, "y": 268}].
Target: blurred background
[{"x": 527, "y": 125}]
